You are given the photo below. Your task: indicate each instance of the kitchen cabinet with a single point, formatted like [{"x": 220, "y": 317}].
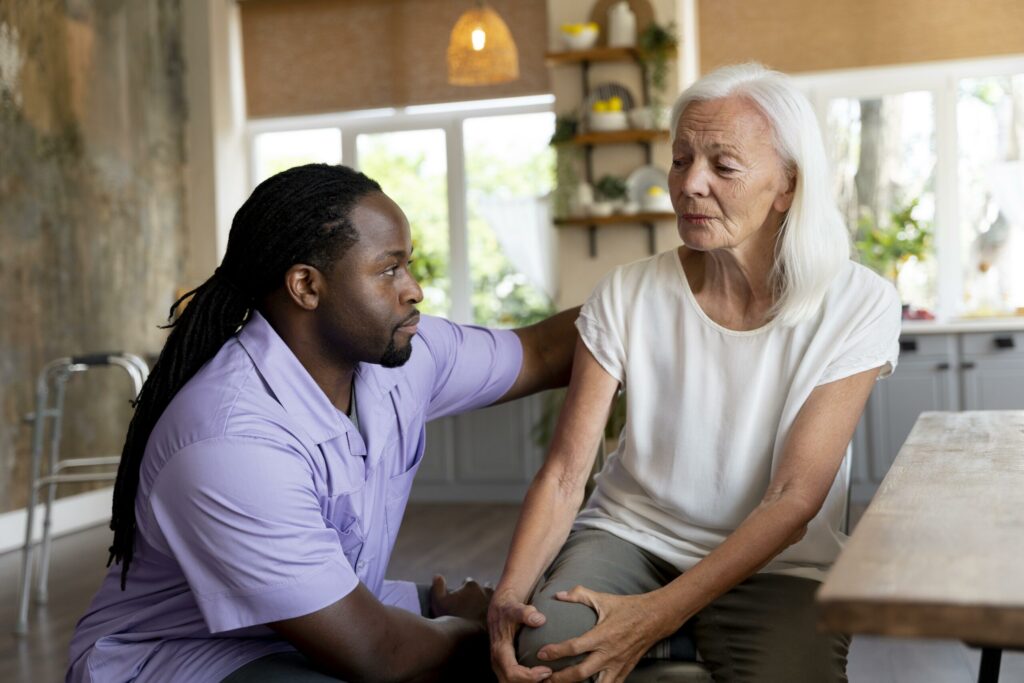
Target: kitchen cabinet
[{"x": 951, "y": 372}]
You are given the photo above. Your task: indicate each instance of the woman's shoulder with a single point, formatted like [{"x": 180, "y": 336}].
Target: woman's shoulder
[{"x": 857, "y": 287}]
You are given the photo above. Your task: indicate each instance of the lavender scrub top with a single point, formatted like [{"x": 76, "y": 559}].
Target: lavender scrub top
[{"x": 258, "y": 500}]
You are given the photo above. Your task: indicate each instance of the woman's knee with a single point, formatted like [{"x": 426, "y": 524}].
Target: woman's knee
[{"x": 565, "y": 620}]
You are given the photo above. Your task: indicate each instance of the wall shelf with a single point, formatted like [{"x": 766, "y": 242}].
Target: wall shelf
[
  {"x": 597, "y": 54},
  {"x": 645, "y": 138},
  {"x": 591, "y": 222},
  {"x": 619, "y": 137},
  {"x": 616, "y": 219}
]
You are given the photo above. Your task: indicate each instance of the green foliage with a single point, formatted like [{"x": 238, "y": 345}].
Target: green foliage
[
  {"x": 655, "y": 44},
  {"x": 567, "y": 176},
  {"x": 611, "y": 187},
  {"x": 566, "y": 162},
  {"x": 885, "y": 247},
  {"x": 565, "y": 128}
]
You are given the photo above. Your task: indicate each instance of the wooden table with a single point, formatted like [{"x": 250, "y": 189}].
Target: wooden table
[{"x": 940, "y": 551}]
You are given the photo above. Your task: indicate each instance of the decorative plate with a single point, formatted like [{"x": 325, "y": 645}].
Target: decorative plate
[{"x": 642, "y": 179}]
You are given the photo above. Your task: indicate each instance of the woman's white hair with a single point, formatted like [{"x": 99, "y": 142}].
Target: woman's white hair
[{"x": 813, "y": 242}]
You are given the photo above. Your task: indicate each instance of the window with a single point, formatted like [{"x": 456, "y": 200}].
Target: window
[
  {"x": 412, "y": 169},
  {"x": 473, "y": 180},
  {"x": 990, "y": 137},
  {"x": 883, "y": 150},
  {"x": 275, "y": 152},
  {"x": 929, "y": 173}
]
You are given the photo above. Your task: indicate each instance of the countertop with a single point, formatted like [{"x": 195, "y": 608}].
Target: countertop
[{"x": 1012, "y": 324}]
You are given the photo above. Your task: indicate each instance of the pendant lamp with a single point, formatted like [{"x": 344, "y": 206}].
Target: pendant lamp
[{"x": 481, "y": 50}]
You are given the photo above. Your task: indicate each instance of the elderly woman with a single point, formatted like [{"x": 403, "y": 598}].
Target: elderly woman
[{"x": 749, "y": 353}]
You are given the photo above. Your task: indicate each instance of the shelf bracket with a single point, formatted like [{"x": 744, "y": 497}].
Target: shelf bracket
[
  {"x": 651, "y": 246},
  {"x": 592, "y": 238}
]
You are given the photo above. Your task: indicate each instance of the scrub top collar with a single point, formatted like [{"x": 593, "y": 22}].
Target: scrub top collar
[{"x": 300, "y": 395}]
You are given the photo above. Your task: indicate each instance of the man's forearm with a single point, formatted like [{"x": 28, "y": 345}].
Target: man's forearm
[
  {"x": 358, "y": 639},
  {"x": 465, "y": 656}
]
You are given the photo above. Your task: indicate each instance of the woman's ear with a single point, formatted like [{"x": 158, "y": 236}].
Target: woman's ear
[
  {"x": 784, "y": 199},
  {"x": 304, "y": 283}
]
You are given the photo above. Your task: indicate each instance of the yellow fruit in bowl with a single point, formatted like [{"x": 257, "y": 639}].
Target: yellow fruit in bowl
[
  {"x": 655, "y": 191},
  {"x": 600, "y": 106},
  {"x": 615, "y": 103},
  {"x": 579, "y": 36}
]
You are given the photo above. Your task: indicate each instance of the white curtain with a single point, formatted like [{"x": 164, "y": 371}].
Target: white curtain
[{"x": 524, "y": 231}]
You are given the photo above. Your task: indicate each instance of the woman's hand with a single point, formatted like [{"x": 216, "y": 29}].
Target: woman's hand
[
  {"x": 505, "y": 617},
  {"x": 627, "y": 627}
]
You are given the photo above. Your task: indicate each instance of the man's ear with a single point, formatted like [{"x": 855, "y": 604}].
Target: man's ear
[{"x": 304, "y": 283}]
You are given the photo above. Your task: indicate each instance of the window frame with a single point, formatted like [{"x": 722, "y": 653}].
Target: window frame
[
  {"x": 448, "y": 117},
  {"x": 941, "y": 80}
]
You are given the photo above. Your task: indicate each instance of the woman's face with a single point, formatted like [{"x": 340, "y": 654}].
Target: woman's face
[{"x": 727, "y": 182}]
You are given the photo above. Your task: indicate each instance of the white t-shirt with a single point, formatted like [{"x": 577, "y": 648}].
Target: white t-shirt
[{"x": 708, "y": 409}]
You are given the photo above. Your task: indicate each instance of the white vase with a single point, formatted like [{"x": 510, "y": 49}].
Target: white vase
[{"x": 621, "y": 25}]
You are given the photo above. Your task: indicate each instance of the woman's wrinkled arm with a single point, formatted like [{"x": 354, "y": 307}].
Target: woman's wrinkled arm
[{"x": 548, "y": 511}]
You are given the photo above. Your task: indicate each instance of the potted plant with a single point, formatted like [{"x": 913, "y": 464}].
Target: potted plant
[
  {"x": 566, "y": 158},
  {"x": 655, "y": 45},
  {"x": 611, "y": 188},
  {"x": 885, "y": 248}
]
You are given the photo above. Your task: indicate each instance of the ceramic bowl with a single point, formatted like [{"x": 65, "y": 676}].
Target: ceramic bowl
[
  {"x": 658, "y": 202},
  {"x": 601, "y": 209},
  {"x": 582, "y": 39},
  {"x": 641, "y": 118},
  {"x": 608, "y": 120}
]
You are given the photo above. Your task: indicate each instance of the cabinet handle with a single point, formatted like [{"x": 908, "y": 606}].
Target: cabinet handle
[
  {"x": 1004, "y": 342},
  {"x": 967, "y": 366},
  {"x": 908, "y": 345},
  {"x": 942, "y": 366}
]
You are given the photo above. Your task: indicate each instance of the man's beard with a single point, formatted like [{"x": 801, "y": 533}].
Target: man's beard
[{"x": 393, "y": 356}]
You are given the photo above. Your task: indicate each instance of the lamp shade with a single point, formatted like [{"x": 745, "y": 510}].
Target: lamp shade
[{"x": 481, "y": 50}]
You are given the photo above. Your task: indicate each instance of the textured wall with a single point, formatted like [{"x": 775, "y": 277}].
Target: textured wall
[
  {"x": 797, "y": 35},
  {"x": 92, "y": 118}
]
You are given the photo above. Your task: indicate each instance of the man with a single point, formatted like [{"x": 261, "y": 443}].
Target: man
[{"x": 272, "y": 450}]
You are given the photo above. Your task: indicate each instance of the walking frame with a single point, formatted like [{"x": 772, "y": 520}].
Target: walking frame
[{"x": 55, "y": 375}]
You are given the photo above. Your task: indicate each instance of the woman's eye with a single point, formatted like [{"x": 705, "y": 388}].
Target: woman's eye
[{"x": 725, "y": 169}]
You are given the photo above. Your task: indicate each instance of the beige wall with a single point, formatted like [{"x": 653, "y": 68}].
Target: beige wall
[
  {"x": 805, "y": 35},
  {"x": 578, "y": 272}
]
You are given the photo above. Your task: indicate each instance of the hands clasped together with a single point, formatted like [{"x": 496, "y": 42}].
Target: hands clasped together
[{"x": 627, "y": 627}]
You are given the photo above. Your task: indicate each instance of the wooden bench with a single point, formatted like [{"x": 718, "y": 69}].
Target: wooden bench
[{"x": 939, "y": 553}]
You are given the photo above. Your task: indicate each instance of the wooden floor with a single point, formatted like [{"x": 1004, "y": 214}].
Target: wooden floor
[{"x": 455, "y": 540}]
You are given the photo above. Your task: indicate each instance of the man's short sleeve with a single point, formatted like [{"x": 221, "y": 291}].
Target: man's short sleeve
[
  {"x": 601, "y": 325},
  {"x": 874, "y": 337},
  {"x": 242, "y": 519},
  {"x": 473, "y": 366}
]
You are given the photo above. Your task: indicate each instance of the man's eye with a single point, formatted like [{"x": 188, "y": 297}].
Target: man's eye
[
  {"x": 391, "y": 271},
  {"x": 725, "y": 169}
]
